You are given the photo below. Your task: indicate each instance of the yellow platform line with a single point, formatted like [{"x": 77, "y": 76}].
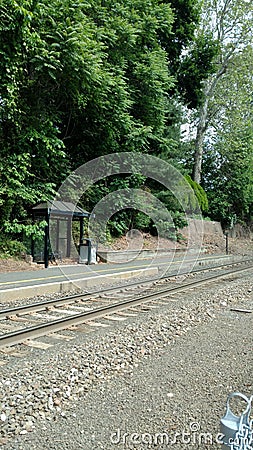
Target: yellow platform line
[{"x": 100, "y": 271}]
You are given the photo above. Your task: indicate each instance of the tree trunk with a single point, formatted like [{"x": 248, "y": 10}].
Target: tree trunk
[{"x": 204, "y": 116}]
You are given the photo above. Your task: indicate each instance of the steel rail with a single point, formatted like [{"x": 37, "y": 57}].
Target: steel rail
[
  {"x": 19, "y": 336},
  {"x": 47, "y": 304}
]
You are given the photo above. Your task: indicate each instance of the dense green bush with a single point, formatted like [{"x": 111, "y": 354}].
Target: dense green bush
[
  {"x": 11, "y": 248},
  {"x": 199, "y": 193}
]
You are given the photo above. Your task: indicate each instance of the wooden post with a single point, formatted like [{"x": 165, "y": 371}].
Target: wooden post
[
  {"x": 81, "y": 231},
  {"x": 69, "y": 222},
  {"x": 226, "y": 234},
  {"x": 46, "y": 242},
  {"x": 57, "y": 235}
]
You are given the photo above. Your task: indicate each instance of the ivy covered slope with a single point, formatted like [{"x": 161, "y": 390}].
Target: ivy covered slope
[{"x": 81, "y": 79}]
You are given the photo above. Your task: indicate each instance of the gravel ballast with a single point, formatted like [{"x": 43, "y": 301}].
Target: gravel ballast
[{"x": 158, "y": 380}]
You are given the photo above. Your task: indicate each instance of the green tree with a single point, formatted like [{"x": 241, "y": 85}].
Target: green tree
[
  {"x": 81, "y": 79},
  {"x": 229, "y": 22},
  {"x": 228, "y": 161}
]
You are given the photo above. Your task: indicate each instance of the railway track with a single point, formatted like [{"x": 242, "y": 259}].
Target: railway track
[{"x": 64, "y": 313}]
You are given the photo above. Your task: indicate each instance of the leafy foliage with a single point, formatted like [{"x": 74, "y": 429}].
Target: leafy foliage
[
  {"x": 199, "y": 192},
  {"x": 228, "y": 162},
  {"x": 230, "y": 25},
  {"x": 11, "y": 248},
  {"x": 84, "y": 78},
  {"x": 195, "y": 67}
]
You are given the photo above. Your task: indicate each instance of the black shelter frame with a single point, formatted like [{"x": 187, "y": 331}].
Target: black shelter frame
[{"x": 58, "y": 211}]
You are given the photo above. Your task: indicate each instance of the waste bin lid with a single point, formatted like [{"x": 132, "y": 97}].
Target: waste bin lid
[{"x": 86, "y": 242}]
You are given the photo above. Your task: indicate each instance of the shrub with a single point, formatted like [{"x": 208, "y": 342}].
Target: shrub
[{"x": 10, "y": 248}]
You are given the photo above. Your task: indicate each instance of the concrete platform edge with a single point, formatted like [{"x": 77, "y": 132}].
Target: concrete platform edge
[{"x": 72, "y": 285}]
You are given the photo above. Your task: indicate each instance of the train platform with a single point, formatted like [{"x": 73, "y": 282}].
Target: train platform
[{"x": 60, "y": 279}]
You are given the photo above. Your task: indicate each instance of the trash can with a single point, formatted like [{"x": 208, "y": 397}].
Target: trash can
[{"x": 87, "y": 252}]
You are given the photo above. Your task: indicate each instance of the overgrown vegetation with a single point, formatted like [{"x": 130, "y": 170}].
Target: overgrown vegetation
[{"x": 83, "y": 79}]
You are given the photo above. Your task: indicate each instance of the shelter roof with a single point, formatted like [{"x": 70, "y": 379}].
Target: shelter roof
[{"x": 59, "y": 208}]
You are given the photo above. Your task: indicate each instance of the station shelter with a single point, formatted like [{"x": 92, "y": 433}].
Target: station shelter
[{"x": 58, "y": 244}]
